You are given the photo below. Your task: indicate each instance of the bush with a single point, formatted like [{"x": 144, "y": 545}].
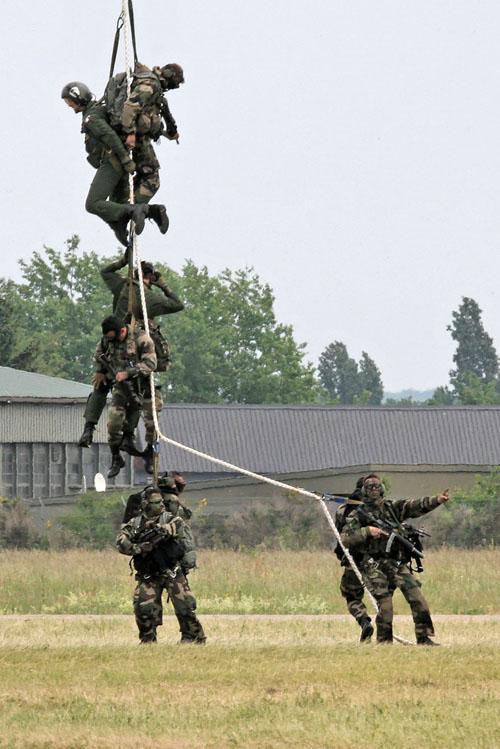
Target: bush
[
  {"x": 17, "y": 530},
  {"x": 95, "y": 522},
  {"x": 471, "y": 518}
]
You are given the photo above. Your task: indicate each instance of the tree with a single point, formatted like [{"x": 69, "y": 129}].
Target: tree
[
  {"x": 227, "y": 345},
  {"x": 344, "y": 381},
  {"x": 371, "y": 380},
  {"x": 475, "y": 354}
]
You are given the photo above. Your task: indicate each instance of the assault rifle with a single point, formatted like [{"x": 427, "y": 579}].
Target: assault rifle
[
  {"x": 411, "y": 542},
  {"x": 128, "y": 385},
  {"x": 152, "y": 534}
]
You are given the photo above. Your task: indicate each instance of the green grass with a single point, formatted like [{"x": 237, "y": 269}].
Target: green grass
[
  {"x": 258, "y": 683},
  {"x": 91, "y": 582}
]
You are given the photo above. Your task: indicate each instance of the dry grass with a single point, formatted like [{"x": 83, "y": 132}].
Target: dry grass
[
  {"x": 258, "y": 683},
  {"x": 89, "y": 582}
]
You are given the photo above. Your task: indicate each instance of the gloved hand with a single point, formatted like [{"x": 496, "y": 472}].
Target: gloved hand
[
  {"x": 173, "y": 527},
  {"x": 143, "y": 548},
  {"x": 128, "y": 164}
]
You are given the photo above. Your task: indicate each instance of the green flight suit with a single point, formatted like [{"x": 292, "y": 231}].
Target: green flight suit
[{"x": 107, "y": 154}]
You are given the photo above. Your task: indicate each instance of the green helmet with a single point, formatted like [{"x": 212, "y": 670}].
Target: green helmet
[{"x": 77, "y": 92}]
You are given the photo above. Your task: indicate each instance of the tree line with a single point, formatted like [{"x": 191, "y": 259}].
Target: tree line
[{"x": 227, "y": 345}]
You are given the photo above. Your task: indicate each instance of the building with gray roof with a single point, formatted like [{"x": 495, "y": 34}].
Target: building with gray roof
[{"x": 41, "y": 419}]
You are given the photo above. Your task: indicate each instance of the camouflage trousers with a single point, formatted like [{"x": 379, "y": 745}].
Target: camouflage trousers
[
  {"x": 353, "y": 592},
  {"x": 148, "y": 607},
  {"x": 147, "y": 175},
  {"x": 382, "y": 577},
  {"x": 124, "y": 412}
]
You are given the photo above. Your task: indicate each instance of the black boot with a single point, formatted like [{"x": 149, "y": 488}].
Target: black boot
[
  {"x": 426, "y": 641},
  {"x": 120, "y": 230},
  {"x": 128, "y": 446},
  {"x": 148, "y": 457},
  {"x": 140, "y": 212},
  {"x": 366, "y": 629},
  {"x": 117, "y": 462},
  {"x": 88, "y": 434},
  {"x": 158, "y": 213}
]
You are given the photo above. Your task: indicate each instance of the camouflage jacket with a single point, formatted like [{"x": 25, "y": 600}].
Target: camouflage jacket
[
  {"x": 165, "y": 555},
  {"x": 341, "y": 517},
  {"x": 101, "y": 141},
  {"x": 357, "y": 536},
  {"x": 136, "y": 354},
  {"x": 156, "y": 304},
  {"x": 142, "y": 110}
]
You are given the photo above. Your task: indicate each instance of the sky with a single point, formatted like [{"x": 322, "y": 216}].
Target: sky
[{"x": 348, "y": 151}]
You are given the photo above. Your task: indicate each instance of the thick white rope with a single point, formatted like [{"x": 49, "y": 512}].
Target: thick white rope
[{"x": 191, "y": 450}]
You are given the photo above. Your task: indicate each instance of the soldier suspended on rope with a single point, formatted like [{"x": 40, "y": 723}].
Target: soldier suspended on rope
[
  {"x": 106, "y": 153},
  {"x": 126, "y": 356},
  {"x": 157, "y": 304},
  {"x": 156, "y": 540},
  {"x": 385, "y": 567},
  {"x": 141, "y": 122}
]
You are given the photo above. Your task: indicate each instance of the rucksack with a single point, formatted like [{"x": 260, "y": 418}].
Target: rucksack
[
  {"x": 163, "y": 353},
  {"x": 115, "y": 94}
]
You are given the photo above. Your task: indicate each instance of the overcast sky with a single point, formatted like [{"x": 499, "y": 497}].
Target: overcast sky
[{"x": 348, "y": 151}]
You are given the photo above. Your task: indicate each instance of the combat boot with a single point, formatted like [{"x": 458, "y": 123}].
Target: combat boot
[
  {"x": 88, "y": 434},
  {"x": 366, "y": 629},
  {"x": 128, "y": 445},
  {"x": 148, "y": 456},
  {"x": 117, "y": 462},
  {"x": 140, "y": 212},
  {"x": 427, "y": 641},
  {"x": 158, "y": 214}
]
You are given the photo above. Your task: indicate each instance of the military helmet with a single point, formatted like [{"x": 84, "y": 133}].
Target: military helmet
[
  {"x": 77, "y": 92},
  {"x": 172, "y": 75},
  {"x": 172, "y": 482},
  {"x": 147, "y": 269}
]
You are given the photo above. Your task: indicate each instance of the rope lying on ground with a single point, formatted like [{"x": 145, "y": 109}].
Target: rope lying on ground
[{"x": 191, "y": 450}]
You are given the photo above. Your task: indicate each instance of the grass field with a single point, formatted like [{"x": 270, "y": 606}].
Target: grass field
[
  {"x": 258, "y": 683},
  {"x": 85, "y": 582},
  {"x": 85, "y": 682}
]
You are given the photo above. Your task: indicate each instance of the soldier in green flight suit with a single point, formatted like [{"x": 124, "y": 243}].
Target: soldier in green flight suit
[
  {"x": 106, "y": 153},
  {"x": 157, "y": 304}
]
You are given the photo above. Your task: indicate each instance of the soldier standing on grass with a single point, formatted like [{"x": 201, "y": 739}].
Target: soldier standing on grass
[
  {"x": 350, "y": 587},
  {"x": 384, "y": 572},
  {"x": 158, "y": 565}
]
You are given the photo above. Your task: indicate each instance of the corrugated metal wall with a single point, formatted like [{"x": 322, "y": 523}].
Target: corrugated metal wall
[
  {"x": 38, "y": 452},
  {"x": 45, "y": 422}
]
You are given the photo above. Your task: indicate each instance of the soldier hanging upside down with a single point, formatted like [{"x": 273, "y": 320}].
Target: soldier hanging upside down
[
  {"x": 141, "y": 122},
  {"x": 157, "y": 304},
  {"x": 155, "y": 540},
  {"x": 126, "y": 356}
]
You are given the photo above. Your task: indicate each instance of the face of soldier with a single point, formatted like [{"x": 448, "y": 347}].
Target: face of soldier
[
  {"x": 73, "y": 105},
  {"x": 155, "y": 504},
  {"x": 373, "y": 490},
  {"x": 111, "y": 334}
]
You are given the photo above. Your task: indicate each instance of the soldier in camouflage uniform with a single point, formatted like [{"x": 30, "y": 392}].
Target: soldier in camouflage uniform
[
  {"x": 382, "y": 573},
  {"x": 158, "y": 568},
  {"x": 156, "y": 304},
  {"x": 142, "y": 122},
  {"x": 130, "y": 353},
  {"x": 350, "y": 587},
  {"x": 107, "y": 154}
]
